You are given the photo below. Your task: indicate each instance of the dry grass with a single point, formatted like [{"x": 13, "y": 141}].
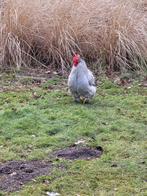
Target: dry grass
[{"x": 41, "y": 32}]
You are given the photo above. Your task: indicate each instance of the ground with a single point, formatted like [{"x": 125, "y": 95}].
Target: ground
[{"x": 39, "y": 120}]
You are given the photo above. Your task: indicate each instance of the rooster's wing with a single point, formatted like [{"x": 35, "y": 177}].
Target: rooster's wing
[{"x": 91, "y": 78}]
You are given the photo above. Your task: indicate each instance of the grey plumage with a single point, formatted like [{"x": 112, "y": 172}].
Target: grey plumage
[{"x": 81, "y": 82}]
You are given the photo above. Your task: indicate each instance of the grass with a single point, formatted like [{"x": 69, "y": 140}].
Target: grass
[
  {"x": 33, "y": 127},
  {"x": 48, "y": 33}
]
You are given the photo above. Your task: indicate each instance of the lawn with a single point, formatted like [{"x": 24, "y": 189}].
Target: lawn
[{"x": 36, "y": 120}]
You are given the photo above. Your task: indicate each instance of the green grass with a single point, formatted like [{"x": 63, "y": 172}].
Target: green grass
[{"x": 32, "y": 128}]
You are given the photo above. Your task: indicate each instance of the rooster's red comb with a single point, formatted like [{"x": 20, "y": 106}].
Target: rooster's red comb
[{"x": 76, "y": 59}]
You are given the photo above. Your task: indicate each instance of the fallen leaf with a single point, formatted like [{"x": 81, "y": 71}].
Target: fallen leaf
[
  {"x": 80, "y": 142},
  {"x": 52, "y": 194}
]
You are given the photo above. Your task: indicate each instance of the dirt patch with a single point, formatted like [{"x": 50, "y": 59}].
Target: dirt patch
[
  {"x": 74, "y": 153},
  {"x": 14, "y": 174}
]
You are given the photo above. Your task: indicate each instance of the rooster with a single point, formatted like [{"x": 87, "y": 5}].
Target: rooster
[{"x": 81, "y": 81}]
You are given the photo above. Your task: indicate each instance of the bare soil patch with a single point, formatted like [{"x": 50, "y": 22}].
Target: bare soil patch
[
  {"x": 14, "y": 174},
  {"x": 74, "y": 153}
]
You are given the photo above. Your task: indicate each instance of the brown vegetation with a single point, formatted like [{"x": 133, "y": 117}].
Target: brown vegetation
[{"x": 41, "y": 32}]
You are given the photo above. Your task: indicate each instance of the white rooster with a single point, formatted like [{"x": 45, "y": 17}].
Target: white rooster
[{"x": 81, "y": 81}]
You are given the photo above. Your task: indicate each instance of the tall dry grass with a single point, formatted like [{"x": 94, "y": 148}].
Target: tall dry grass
[{"x": 49, "y": 32}]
